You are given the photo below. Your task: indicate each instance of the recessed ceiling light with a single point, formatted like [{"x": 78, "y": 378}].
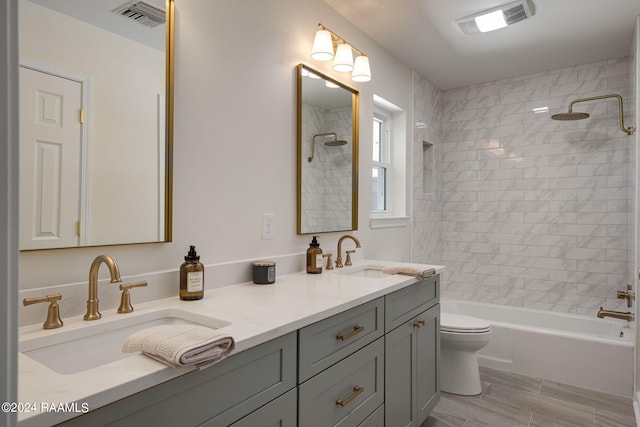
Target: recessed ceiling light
[{"x": 497, "y": 17}]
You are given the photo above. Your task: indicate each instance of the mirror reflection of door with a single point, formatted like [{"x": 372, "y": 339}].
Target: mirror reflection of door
[{"x": 50, "y": 149}]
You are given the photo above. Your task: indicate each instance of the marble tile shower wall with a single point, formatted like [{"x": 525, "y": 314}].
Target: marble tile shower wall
[
  {"x": 326, "y": 181},
  {"x": 534, "y": 211},
  {"x": 427, "y": 209}
]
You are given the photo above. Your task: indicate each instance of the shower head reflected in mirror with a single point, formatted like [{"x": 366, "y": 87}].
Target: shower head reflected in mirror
[
  {"x": 575, "y": 115},
  {"x": 335, "y": 142}
]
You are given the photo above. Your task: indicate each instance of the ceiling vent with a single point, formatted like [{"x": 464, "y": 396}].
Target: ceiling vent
[
  {"x": 496, "y": 18},
  {"x": 143, "y": 13}
]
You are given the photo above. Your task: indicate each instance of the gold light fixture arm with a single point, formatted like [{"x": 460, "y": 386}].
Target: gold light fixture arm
[
  {"x": 337, "y": 40},
  {"x": 627, "y": 130}
]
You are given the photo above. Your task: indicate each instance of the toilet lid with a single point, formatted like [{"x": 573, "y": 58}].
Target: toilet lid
[{"x": 451, "y": 322}]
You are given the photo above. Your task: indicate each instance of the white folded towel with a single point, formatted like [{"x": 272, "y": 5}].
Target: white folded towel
[
  {"x": 181, "y": 345},
  {"x": 409, "y": 270}
]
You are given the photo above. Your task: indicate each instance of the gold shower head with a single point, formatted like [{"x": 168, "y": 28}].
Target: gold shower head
[
  {"x": 570, "y": 115},
  {"x": 335, "y": 142}
]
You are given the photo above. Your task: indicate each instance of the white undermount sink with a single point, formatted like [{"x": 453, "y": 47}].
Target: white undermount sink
[
  {"x": 374, "y": 272},
  {"x": 99, "y": 342}
]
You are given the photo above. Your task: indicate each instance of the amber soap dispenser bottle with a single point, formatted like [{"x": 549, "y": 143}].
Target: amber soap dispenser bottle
[
  {"x": 191, "y": 276},
  {"x": 314, "y": 257}
]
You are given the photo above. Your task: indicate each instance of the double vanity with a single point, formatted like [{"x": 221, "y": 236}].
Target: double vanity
[{"x": 351, "y": 346}]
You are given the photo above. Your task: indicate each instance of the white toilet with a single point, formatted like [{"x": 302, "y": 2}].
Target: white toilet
[{"x": 460, "y": 339}]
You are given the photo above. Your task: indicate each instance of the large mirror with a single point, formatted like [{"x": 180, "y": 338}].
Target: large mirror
[
  {"x": 96, "y": 120},
  {"x": 327, "y": 154}
]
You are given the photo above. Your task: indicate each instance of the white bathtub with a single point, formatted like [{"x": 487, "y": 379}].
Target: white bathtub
[{"x": 584, "y": 351}]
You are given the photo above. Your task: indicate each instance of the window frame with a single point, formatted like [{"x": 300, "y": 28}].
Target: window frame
[{"x": 385, "y": 162}]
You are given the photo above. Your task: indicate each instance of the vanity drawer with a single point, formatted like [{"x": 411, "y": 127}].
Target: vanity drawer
[
  {"x": 328, "y": 341},
  {"x": 408, "y": 302},
  {"x": 218, "y": 395},
  {"x": 346, "y": 393}
]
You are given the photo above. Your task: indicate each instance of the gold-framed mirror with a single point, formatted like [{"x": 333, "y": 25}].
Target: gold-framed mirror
[
  {"x": 328, "y": 123},
  {"x": 96, "y": 122}
]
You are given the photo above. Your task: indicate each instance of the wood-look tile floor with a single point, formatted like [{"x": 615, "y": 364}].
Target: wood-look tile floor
[{"x": 512, "y": 400}]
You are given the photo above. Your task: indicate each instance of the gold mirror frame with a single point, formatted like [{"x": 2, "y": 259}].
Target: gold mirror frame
[
  {"x": 170, "y": 32},
  {"x": 302, "y": 158},
  {"x": 167, "y": 226}
]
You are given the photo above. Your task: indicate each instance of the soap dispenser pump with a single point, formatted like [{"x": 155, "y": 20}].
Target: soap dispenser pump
[
  {"x": 314, "y": 257},
  {"x": 191, "y": 276}
]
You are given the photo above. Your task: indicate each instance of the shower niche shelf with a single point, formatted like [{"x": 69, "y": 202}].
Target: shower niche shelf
[{"x": 428, "y": 167}]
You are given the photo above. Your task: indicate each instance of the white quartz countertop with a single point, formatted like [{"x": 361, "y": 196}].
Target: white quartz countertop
[{"x": 257, "y": 314}]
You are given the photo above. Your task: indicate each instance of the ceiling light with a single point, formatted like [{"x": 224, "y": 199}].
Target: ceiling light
[
  {"x": 328, "y": 45},
  {"x": 491, "y": 21},
  {"x": 497, "y": 17}
]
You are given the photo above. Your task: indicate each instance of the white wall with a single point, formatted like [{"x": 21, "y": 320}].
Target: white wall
[{"x": 235, "y": 143}]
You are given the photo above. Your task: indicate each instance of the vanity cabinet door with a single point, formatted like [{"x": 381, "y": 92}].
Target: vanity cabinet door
[
  {"x": 412, "y": 383},
  {"x": 428, "y": 362}
]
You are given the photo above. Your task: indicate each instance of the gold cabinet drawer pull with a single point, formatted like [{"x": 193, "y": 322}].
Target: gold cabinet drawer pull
[
  {"x": 357, "y": 390},
  {"x": 356, "y": 330},
  {"x": 419, "y": 324}
]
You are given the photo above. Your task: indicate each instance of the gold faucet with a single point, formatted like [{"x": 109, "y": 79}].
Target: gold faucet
[
  {"x": 339, "y": 258},
  {"x": 625, "y": 315},
  {"x": 92, "y": 303}
]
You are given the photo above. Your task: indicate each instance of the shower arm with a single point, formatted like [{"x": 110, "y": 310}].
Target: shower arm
[
  {"x": 629, "y": 130},
  {"x": 313, "y": 143}
]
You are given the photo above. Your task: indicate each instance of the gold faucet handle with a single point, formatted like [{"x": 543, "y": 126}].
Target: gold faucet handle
[
  {"x": 628, "y": 295},
  {"x": 125, "y": 299},
  {"x": 348, "y": 261},
  {"x": 53, "y": 313},
  {"x": 329, "y": 262}
]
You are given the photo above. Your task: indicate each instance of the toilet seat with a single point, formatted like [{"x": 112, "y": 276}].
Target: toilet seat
[{"x": 459, "y": 323}]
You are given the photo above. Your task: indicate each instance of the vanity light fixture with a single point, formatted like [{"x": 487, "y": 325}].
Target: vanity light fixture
[
  {"x": 497, "y": 17},
  {"x": 327, "y": 45}
]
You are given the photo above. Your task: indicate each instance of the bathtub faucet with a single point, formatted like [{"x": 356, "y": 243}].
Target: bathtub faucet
[{"x": 625, "y": 315}]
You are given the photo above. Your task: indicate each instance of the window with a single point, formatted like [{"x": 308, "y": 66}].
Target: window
[
  {"x": 381, "y": 163},
  {"x": 390, "y": 173}
]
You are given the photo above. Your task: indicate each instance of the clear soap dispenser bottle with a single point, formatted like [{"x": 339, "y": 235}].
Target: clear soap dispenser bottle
[
  {"x": 314, "y": 257},
  {"x": 191, "y": 276}
]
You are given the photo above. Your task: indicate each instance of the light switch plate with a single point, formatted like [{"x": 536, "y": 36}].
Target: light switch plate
[{"x": 267, "y": 226}]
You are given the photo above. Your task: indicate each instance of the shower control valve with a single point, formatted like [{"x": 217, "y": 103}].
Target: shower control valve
[{"x": 628, "y": 295}]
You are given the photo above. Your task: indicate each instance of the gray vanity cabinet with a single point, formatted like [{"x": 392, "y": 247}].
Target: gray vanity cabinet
[
  {"x": 412, "y": 352},
  {"x": 373, "y": 365}
]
